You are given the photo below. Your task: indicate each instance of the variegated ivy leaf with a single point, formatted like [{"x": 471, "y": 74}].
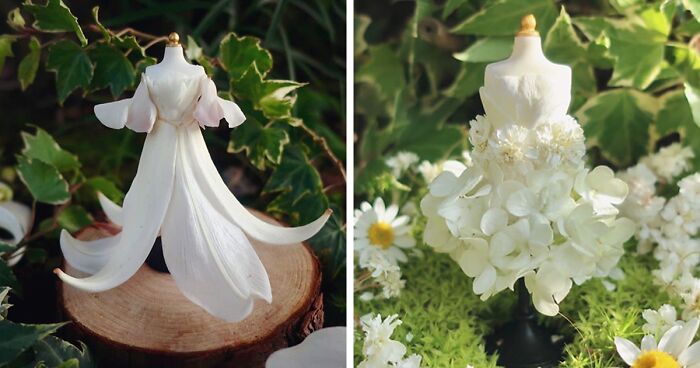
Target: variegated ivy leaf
[
  {"x": 42, "y": 146},
  {"x": 15, "y": 19},
  {"x": 112, "y": 69},
  {"x": 239, "y": 54},
  {"x": 4, "y": 305},
  {"x": 262, "y": 144},
  {"x": 272, "y": 97},
  {"x": 675, "y": 115},
  {"x": 636, "y": 44},
  {"x": 295, "y": 175},
  {"x": 24, "y": 336},
  {"x": 72, "y": 66},
  {"x": 44, "y": 182},
  {"x": 95, "y": 16},
  {"x": 55, "y": 16},
  {"x": 617, "y": 122},
  {"x": 486, "y": 50},
  {"x": 26, "y": 72},
  {"x": 6, "y": 42},
  {"x": 502, "y": 17}
]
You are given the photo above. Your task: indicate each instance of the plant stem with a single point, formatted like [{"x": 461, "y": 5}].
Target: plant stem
[{"x": 321, "y": 141}]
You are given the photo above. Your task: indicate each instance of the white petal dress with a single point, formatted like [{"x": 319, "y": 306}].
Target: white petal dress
[{"x": 178, "y": 194}]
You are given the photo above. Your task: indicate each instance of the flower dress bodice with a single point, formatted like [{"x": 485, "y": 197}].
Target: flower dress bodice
[{"x": 175, "y": 96}]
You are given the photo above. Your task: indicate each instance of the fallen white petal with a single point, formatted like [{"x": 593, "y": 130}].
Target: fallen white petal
[{"x": 324, "y": 348}]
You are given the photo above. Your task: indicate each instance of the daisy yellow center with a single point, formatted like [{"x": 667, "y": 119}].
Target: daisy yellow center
[
  {"x": 381, "y": 235},
  {"x": 655, "y": 359}
]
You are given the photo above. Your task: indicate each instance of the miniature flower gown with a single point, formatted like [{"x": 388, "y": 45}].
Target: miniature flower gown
[{"x": 178, "y": 193}]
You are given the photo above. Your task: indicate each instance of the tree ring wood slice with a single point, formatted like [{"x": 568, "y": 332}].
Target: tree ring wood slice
[{"x": 147, "y": 322}]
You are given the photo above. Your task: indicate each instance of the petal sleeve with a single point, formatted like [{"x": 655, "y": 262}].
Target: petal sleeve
[
  {"x": 211, "y": 108},
  {"x": 137, "y": 113}
]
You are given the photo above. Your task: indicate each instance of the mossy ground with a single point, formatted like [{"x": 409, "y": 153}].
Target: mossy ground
[{"x": 449, "y": 322}]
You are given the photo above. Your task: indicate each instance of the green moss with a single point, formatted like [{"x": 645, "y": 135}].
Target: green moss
[{"x": 449, "y": 322}]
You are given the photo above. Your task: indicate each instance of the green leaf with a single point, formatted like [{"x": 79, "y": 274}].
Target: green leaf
[
  {"x": 272, "y": 97},
  {"x": 486, "y": 50},
  {"x": 693, "y": 6},
  {"x": 238, "y": 54},
  {"x": 15, "y": 19},
  {"x": 330, "y": 245},
  {"x": 106, "y": 187},
  {"x": 193, "y": 51},
  {"x": 294, "y": 175},
  {"x": 686, "y": 62},
  {"x": 675, "y": 115},
  {"x": 468, "y": 81},
  {"x": 4, "y": 305},
  {"x": 451, "y": 6},
  {"x": 6, "y": 48},
  {"x": 624, "y": 6},
  {"x": 55, "y": 16},
  {"x": 74, "y": 218},
  {"x": 72, "y": 66},
  {"x": 54, "y": 352},
  {"x": 18, "y": 337},
  {"x": 562, "y": 45},
  {"x": 42, "y": 146},
  {"x": 112, "y": 68},
  {"x": 26, "y": 72},
  {"x": 692, "y": 94},
  {"x": 129, "y": 43},
  {"x": 617, "y": 122},
  {"x": 383, "y": 70},
  {"x": 362, "y": 22},
  {"x": 636, "y": 44},
  {"x": 263, "y": 145},
  {"x": 7, "y": 277},
  {"x": 44, "y": 182},
  {"x": 301, "y": 210},
  {"x": 502, "y": 17}
]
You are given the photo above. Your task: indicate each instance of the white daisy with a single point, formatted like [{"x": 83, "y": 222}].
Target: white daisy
[
  {"x": 673, "y": 349},
  {"x": 380, "y": 227}
]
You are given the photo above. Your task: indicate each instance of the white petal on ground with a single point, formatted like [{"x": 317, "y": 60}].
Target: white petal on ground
[
  {"x": 226, "y": 203},
  {"x": 144, "y": 209},
  {"x": 324, "y": 348},
  {"x": 627, "y": 350},
  {"x": 113, "y": 211}
]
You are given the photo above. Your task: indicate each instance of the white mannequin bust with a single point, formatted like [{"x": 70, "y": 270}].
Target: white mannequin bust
[
  {"x": 527, "y": 57},
  {"x": 173, "y": 61}
]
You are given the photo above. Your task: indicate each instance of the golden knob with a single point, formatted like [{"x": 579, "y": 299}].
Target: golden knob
[
  {"x": 173, "y": 39},
  {"x": 527, "y": 26}
]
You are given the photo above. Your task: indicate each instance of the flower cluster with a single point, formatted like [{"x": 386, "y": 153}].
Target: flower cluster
[
  {"x": 670, "y": 227},
  {"x": 381, "y": 237},
  {"x": 528, "y": 207},
  {"x": 379, "y": 350}
]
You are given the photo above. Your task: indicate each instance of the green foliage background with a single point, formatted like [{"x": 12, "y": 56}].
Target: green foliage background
[
  {"x": 636, "y": 74},
  {"x": 57, "y": 62}
]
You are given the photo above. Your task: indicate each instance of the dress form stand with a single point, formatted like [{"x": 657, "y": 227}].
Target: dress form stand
[
  {"x": 148, "y": 322},
  {"x": 522, "y": 342}
]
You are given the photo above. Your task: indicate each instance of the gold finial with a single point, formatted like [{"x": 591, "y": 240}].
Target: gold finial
[
  {"x": 173, "y": 39},
  {"x": 527, "y": 26}
]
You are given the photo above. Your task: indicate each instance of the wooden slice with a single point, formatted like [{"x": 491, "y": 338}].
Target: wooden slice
[{"x": 147, "y": 322}]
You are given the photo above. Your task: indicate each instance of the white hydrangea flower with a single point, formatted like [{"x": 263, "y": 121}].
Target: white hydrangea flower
[
  {"x": 385, "y": 273},
  {"x": 670, "y": 161},
  {"x": 378, "y": 227},
  {"x": 401, "y": 162},
  {"x": 688, "y": 288},
  {"x": 527, "y": 207},
  {"x": 659, "y": 321},
  {"x": 379, "y": 350}
]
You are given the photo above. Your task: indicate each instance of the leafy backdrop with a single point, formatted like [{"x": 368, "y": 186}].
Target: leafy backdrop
[{"x": 57, "y": 62}]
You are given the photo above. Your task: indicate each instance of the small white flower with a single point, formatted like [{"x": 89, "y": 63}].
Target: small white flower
[
  {"x": 659, "y": 321},
  {"x": 385, "y": 274},
  {"x": 378, "y": 348},
  {"x": 673, "y": 350},
  {"x": 670, "y": 161},
  {"x": 602, "y": 189},
  {"x": 401, "y": 162},
  {"x": 413, "y": 361},
  {"x": 510, "y": 144},
  {"x": 479, "y": 132},
  {"x": 380, "y": 227},
  {"x": 689, "y": 189}
]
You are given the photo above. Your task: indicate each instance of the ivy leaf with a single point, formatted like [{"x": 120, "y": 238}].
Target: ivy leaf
[
  {"x": 263, "y": 145},
  {"x": 686, "y": 62},
  {"x": 74, "y": 218},
  {"x": 294, "y": 175},
  {"x": 636, "y": 44},
  {"x": 562, "y": 45},
  {"x": 45, "y": 183},
  {"x": 4, "y": 305},
  {"x": 502, "y": 17},
  {"x": 20, "y": 337},
  {"x": 54, "y": 352},
  {"x": 72, "y": 66},
  {"x": 486, "y": 50},
  {"x": 6, "y": 48},
  {"x": 95, "y": 15},
  {"x": 238, "y": 54},
  {"x": 193, "y": 51},
  {"x": 617, "y": 122},
  {"x": 330, "y": 245},
  {"x": 383, "y": 70},
  {"x": 15, "y": 19},
  {"x": 7, "y": 277},
  {"x": 692, "y": 94},
  {"x": 112, "y": 68},
  {"x": 693, "y": 6},
  {"x": 26, "y": 72},
  {"x": 299, "y": 210},
  {"x": 55, "y": 16},
  {"x": 128, "y": 43},
  {"x": 106, "y": 187},
  {"x": 272, "y": 97},
  {"x": 41, "y": 146},
  {"x": 675, "y": 115}
]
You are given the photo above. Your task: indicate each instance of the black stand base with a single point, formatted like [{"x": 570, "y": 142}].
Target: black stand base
[
  {"x": 522, "y": 343},
  {"x": 155, "y": 259}
]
